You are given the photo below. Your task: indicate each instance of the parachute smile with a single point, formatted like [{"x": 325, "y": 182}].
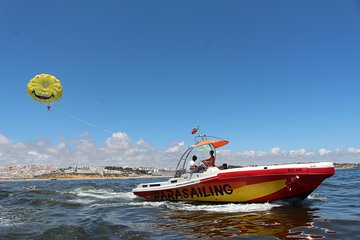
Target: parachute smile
[
  {"x": 44, "y": 88},
  {"x": 43, "y": 97}
]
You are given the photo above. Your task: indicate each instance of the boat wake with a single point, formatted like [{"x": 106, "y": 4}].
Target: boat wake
[
  {"x": 217, "y": 208},
  {"x": 228, "y": 208},
  {"x": 92, "y": 196},
  {"x": 89, "y": 196}
]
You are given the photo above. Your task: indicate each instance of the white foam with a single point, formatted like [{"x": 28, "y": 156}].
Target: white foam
[
  {"x": 9, "y": 217},
  {"x": 220, "y": 208},
  {"x": 102, "y": 194},
  {"x": 150, "y": 204},
  {"x": 105, "y": 205},
  {"x": 317, "y": 197},
  {"x": 6, "y": 222},
  {"x": 128, "y": 195},
  {"x": 225, "y": 208},
  {"x": 29, "y": 188},
  {"x": 83, "y": 201}
]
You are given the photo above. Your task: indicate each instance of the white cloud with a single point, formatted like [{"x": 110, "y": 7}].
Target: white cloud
[
  {"x": 4, "y": 140},
  {"x": 140, "y": 142},
  {"x": 32, "y": 153},
  {"x": 38, "y": 156},
  {"x": 119, "y": 140},
  {"x": 176, "y": 147},
  {"x": 119, "y": 149},
  {"x": 323, "y": 152},
  {"x": 56, "y": 149},
  {"x": 250, "y": 153},
  {"x": 339, "y": 150},
  {"x": 262, "y": 153},
  {"x": 301, "y": 152},
  {"x": 353, "y": 150},
  {"x": 275, "y": 151}
]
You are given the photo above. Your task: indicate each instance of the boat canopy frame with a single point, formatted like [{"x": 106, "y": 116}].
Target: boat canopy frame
[{"x": 200, "y": 140}]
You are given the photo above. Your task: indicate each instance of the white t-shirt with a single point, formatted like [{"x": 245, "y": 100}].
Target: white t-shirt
[{"x": 190, "y": 164}]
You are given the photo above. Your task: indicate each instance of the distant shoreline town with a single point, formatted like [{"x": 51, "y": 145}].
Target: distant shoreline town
[{"x": 43, "y": 172}]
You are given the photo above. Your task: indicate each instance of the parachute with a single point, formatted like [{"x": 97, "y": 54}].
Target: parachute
[{"x": 45, "y": 88}]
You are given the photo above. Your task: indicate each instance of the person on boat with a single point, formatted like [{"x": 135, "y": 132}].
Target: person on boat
[
  {"x": 224, "y": 166},
  {"x": 201, "y": 168},
  {"x": 191, "y": 165},
  {"x": 210, "y": 162}
]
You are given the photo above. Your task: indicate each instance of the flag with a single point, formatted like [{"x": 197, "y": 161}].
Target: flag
[{"x": 194, "y": 130}]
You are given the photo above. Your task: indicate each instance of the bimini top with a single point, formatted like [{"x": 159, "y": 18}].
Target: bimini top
[{"x": 214, "y": 143}]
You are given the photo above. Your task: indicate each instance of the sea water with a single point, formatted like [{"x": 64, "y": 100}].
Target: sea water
[{"x": 107, "y": 209}]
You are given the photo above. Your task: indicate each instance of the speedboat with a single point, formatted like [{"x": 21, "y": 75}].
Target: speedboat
[{"x": 235, "y": 185}]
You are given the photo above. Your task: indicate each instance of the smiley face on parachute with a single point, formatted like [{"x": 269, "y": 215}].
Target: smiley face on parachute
[{"x": 45, "y": 88}]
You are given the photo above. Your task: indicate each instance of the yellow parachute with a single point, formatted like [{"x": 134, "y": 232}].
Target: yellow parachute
[{"x": 45, "y": 88}]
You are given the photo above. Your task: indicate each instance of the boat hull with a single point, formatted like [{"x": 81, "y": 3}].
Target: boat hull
[{"x": 251, "y": 185}]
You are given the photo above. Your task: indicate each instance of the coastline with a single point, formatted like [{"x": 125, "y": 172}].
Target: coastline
[
  {"x": 96, "y": 176},
  {"x": 82, "y": 178}
]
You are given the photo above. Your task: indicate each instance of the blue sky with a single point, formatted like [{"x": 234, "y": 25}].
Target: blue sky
[{"x": 263, "y": 74}]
